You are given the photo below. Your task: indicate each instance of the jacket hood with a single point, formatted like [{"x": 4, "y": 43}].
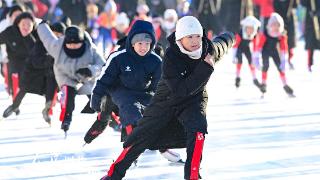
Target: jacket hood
[{"x": 140, "y": 27}]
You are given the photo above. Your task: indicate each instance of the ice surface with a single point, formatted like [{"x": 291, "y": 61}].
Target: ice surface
[{"x": 249, "y": 138}]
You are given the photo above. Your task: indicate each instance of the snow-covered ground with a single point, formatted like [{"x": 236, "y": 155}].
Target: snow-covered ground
[{"x": 249, "y": 138}]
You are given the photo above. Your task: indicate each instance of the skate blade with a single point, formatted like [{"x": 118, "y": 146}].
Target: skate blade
[
  {"x": 65, "y": 135},
  {"x": 84, "y": 144}
]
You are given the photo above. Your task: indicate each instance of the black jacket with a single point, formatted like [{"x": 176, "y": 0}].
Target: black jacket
[
  {"x": 18, "y": 47},
  {"x": 183, "y": 82},
  {"x": 309, "y": 34},
  {"x": 39, "y": 67}
]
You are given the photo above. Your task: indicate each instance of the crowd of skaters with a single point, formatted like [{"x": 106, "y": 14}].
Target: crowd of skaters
[{"x": 48, "y": 46}]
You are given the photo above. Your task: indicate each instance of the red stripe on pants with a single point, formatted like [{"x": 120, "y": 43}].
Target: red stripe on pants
[
  {"x": 63, "y": 102},
  {"x": 129, "y": 129},
  {"x": 120, "y": 158},
  {"x": 15, "y": 85},
  {"x": 197, "y": 152},
  {"x": 54, "y": 101},
  {"x": 115, "y": 117}
]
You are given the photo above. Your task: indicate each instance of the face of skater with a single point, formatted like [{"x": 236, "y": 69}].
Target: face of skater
[
  {"x": 274, "y": 28},
  {"x": 74, "y": 45},
  {"x": 249, "y": 30},
  {"x": 14, "y": 15},
  {"x": 58, "y": 34},
  {"x": 142, "y": 47},
  {"x": 192, "y": 42},
  {"x": 25, "y": 26}
]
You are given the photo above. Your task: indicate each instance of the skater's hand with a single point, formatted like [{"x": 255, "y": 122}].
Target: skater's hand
[
  {"x": 209, "y": 60},
  {"x": 233, "y": 52},
  {"x": 95, "y": 103},
  {"x": 84, "y": 72},
  {"x": 283, "y": 57},
  {"x": 256, "y": 59}
]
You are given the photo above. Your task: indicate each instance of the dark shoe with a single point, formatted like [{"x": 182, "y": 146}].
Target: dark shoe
[
  {"x": 10, "y": 110},
  {"x": 288, "y": 90},
  {"x": 256, "y": 83},
  {"x": 45, "y": 112},
  {"x": 237, "y": 82},
  {"x": 65, "y": 126},
  {"x": 291, "y": 66},
  {"x": 263, "y": 88},
  {"x": 96, "y": 129},
  {"x": 106, "y": 177},
  {"x": 87, "y": 109}
]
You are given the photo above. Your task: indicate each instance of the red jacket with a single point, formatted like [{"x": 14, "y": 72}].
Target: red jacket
[{"x": 266, "y": 7}]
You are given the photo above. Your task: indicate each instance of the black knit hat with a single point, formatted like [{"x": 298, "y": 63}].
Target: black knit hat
[
  {"x": 58, "y": 27},
  {"x": 15, "y": 8},
  {"x": 74, "y": 35}
]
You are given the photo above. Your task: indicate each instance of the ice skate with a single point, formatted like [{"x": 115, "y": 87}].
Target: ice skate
[
  {"x": 10, "y": 110},
  {"x": 237, "y": 82},
  {"x": 171, "y": 156},
  {"x": 45, "y": 113},
  {"x": 289, "y": 91},
  {"x": 65, "y": 127},
  {"x": 256, "y": 83},
  {"x": 263, "y": 89},
  {"x": 96, "y": 129}
]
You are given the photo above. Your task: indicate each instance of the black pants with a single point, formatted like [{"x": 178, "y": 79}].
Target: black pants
[
  {"x": 194, "y": 121},
  {"x": 266, "y": 54},
  {"x": 246, "y": 51},
  {"x": 67, "y": 102},
  {"x": 51, "y": 87}
]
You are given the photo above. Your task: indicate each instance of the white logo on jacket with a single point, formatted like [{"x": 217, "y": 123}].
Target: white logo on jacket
[{"x": 128, "y": 69}]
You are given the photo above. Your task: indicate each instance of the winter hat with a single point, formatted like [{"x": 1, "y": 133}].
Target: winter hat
[
  {"x": 142, "y": 9},
  {"x": 74, "y": 35},
  {"x": 275, "y": 17},
  {"x": 250, "y": 21},
  {"x": 141, "y": 37},
  {"x": 188, "y": 25},
  {"x": 122, "y": 18},
  {"x": 58, "y": 27},
  {"x": 170, "y": 13},
  {"x": 15, "y": 8}
]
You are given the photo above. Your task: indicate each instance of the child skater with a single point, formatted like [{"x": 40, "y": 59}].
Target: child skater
[
  {"x": 269, "y": 40},
  {"x": 176, "y": 116}
]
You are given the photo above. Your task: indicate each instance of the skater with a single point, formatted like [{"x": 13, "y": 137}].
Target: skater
[
  {"x": 285, "y": 9},
  {"x": 273, "y": 36},
  {"x": 175, "y": 117},
  {"x": 19, "y": 41},
  {"x": 38, "y": 76},
  {"x": 247, "y": 35},
  {"x": 312, "y": 29},
  {"x": 76, "y": 65}
]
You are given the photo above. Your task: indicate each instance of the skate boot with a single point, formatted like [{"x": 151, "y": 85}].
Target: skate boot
[
  {"x": 256, "y": 83},
  {"x": 66, "y": 124},
  {"x": 96, "y": 129},
  {"x": 45, "y": 112},
  {"x": 291, "y": 66},
  {"x": 171, "y": 156},
  {"x": 11, "y": 110},
  {"x": 263, "y": 88},
  {"x": 288, "y": 90},
  {"x": 87, "y": 109},
  {"x": 237, "y": 82}
]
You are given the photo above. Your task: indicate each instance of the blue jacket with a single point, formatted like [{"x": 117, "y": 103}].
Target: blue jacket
[{"x": 128, "y": 76}]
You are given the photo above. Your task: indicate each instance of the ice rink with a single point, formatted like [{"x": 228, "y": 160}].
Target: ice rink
[{"x": 249, "y": 138}]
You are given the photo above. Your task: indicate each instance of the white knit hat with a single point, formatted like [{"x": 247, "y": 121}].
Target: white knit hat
[
  {"x": 188, "y": 25},
  {"x": 275, "y": 17},
  {"x": 250, "y": 21},
  {"x": 170, "y": 13}
]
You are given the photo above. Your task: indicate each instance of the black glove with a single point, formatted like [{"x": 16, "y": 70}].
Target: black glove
[
  {"x": 84, "y": 72},
  {"x": 221, "y": 44},
  {"x": 95, "y": 103}
]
